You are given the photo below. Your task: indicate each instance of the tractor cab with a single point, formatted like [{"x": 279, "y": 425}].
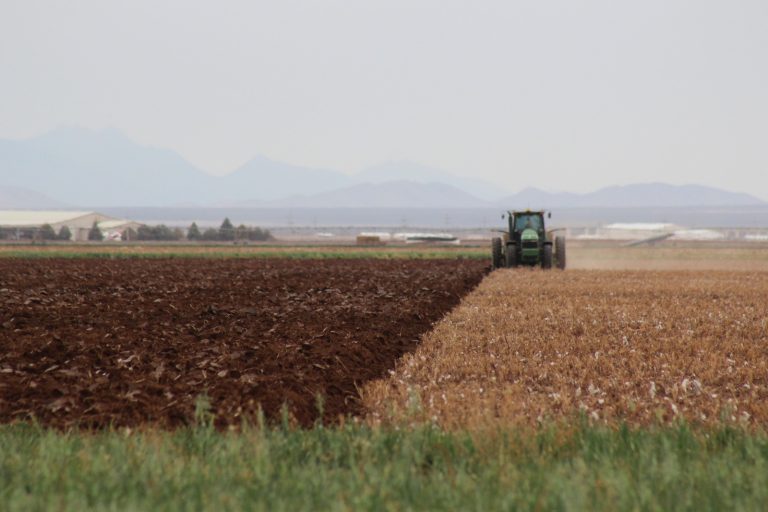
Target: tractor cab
[{"x": 521, "y": 221}]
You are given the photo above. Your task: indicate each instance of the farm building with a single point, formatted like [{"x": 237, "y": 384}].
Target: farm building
[
  {"x": 113, "y": 229},
  {"x": 25, "y": 224}
]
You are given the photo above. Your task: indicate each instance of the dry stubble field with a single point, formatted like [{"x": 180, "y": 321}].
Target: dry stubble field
[{"x": 637, "y": 346}]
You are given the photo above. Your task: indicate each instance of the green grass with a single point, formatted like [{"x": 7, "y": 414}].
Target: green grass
[
  {"x": 250, "y": 255},
  {"x": 226, "y": 252},
  {"x": 358, "y": 468}
]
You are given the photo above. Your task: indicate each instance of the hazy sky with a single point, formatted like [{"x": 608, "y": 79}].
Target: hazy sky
[{"x": 561, "y": 94}]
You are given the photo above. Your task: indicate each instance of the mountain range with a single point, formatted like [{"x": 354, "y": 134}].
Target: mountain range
[
  {"x": 14, "y": 198},
  {"x": 104, "y": 168}
]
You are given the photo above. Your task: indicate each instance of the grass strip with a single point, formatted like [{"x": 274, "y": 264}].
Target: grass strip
[
  {"x": 359, "y": 468},
  {"x": 249, "y": 254}
]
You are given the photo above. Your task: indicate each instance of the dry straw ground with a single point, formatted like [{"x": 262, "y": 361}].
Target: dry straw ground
[
  {"x": 636, "y": 346},
  {"x": 670, "y": 256}
]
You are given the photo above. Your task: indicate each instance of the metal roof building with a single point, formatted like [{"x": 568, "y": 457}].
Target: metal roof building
[
  {"x": 78, "y": 222},
  {"x": 114, "y": 229}
]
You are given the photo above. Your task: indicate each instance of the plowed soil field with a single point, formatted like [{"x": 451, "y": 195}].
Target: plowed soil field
[{"x": 106, "y": 342}]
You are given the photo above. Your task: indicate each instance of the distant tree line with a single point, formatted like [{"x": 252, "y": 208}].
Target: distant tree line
[
  {"x": 47, "y": 233},
  {"x": 160, "y": 232},
  {"x": 227, "y": 232},
  {"x": 44, "y": 232}
]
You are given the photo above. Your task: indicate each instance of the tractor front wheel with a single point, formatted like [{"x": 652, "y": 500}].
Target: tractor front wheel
[
  {"x": 496, "y": 256},
  {"x": 546, "y": 261}
]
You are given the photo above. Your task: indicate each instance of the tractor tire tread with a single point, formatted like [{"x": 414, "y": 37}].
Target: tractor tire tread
[{"x": 496, "y": 255}]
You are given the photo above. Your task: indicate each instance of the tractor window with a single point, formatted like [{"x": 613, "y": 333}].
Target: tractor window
[{"x": 527, "y": 222}]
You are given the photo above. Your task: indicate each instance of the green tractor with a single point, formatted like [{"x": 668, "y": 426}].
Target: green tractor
[{"x": 528, "y": 243}]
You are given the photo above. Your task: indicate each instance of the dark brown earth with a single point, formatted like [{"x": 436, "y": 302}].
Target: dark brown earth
[{"x": 94, "y": 343}]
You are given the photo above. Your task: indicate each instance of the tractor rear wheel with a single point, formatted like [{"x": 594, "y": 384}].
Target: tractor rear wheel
[
  {"x": 546, "y": 261},
  {"x": 560, "y": 252},
  {"x": 496, "y": 256},
  {"x": 511, "y": 256}
]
